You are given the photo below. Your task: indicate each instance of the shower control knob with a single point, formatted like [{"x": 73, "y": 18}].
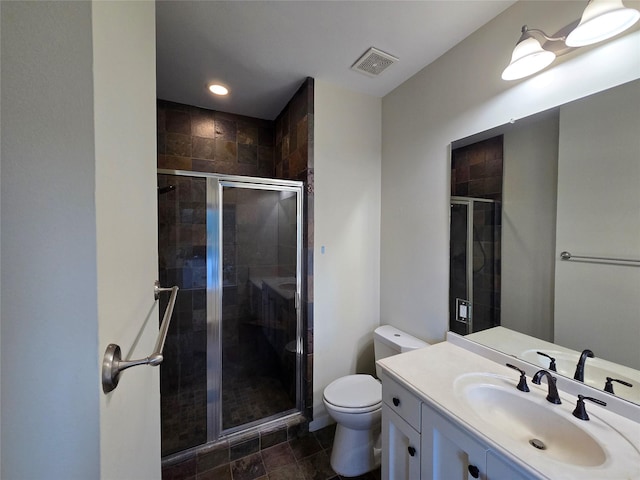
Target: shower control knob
[{"x": 396, "y": 401}]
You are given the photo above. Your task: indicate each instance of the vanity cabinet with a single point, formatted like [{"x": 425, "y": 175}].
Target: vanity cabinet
[
  {"x": 449, "y": 452},
  {"x": 420, "y": 443},
  {"x": 452, "y": 453},
  {"x": 401, "y": 423}
]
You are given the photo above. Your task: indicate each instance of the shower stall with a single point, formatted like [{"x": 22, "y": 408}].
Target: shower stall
[
  {"x": 233, "y": 353},
  {"x": 474, "y": 278}
]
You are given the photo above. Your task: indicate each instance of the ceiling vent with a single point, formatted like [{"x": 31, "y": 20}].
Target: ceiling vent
[{"x": 373, "y": 62}]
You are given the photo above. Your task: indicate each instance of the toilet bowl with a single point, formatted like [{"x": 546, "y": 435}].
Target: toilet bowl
[{"x": 355, "y": 403}]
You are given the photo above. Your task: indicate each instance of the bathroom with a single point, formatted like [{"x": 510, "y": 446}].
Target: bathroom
[{"x": 396, "y": 152}]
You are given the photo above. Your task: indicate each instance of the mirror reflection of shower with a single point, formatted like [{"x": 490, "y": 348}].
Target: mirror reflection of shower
[
  {"x": 475, "y": 235},
  {"x": 474, "y": 264},
  {"x": 233, "y": 355}
]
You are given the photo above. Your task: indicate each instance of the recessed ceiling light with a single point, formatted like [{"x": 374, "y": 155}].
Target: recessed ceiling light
[{"x": 218, "y": 89}]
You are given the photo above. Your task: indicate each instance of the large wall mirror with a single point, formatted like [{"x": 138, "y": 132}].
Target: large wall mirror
[{"x": 564, "y": 180}]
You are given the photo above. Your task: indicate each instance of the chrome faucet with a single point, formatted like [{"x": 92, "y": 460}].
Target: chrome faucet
[
  {"x": 579, "y": 375},
  {"x": 552, "y": 395}
]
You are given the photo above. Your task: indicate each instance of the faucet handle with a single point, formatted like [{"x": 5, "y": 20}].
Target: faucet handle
[
  {"x": 522, "y": 384},
  {"x": 552, "y": 361},
  {"x": 580, "y": 410},
  {"x": 608, "y": 386}
]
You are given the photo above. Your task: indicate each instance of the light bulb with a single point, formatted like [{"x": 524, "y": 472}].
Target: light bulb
[{"x": 218, "y": 89}]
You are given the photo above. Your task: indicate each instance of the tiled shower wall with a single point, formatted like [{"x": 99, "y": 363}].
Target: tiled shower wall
[
  {"x": 476, "y": 171},
  {"x": 293, "y": 158},
  {"x": 196, "y": 139}
]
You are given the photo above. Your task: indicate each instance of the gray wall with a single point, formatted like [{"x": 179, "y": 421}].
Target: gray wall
[
  {"x": 50, "y": 412},
  {"x": 529, "y": 227},
  {"x": 599, "y": 214}
]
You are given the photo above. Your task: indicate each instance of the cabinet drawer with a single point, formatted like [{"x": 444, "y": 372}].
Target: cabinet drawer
[{"x": 401, "y": 401}]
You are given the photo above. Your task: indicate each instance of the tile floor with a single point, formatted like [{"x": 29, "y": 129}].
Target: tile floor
[{"x": 304, "y": 458}]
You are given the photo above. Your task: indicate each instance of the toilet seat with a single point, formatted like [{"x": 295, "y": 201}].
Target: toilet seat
[{"x": 354, "y": 394}]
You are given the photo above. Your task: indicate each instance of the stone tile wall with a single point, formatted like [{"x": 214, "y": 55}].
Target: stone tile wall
[
  {"x": 476, "y": 171},
  {"x": 293, "y": 159},
  {"x": 201, "y": 140}
]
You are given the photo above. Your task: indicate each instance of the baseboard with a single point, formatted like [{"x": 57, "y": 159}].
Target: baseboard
[{"x": 320, "y": 421}]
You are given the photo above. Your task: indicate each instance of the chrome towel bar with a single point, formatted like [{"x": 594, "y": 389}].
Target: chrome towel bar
[
  {"x": 615, "y": 261},
  {"x": 112, "y": 364}
]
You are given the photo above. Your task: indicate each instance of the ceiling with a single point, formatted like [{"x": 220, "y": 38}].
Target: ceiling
[{"x": 263, "y": 50}]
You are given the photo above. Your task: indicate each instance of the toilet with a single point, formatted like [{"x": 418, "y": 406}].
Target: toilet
[{"x": 355, "y": 403}]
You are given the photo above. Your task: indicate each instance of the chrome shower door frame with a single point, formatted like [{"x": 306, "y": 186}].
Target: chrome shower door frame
[{"x": 214, "y": 202}]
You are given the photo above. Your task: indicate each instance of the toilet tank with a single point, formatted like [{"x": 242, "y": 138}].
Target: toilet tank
[{"x": 388, "y": 340}]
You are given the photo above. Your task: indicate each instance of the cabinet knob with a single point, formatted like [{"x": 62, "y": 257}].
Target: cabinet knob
[
  {"x": 474, "y": 471},
  {"x": 412, "y": 451},
  {"x": 396, "y": 401}
]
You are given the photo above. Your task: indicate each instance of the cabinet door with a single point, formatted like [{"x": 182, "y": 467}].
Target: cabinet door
[
  {"x": 448, "y": 452},
  {"x": 400, "y": 448},
  {"x": 500, "y": 469}
]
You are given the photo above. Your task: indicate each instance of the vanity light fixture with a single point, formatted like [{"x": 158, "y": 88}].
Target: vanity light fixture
[
  {"x": 601, "y": 20},
  {"x": 218, "y": 89},
  {"x": 528, "y": 57}
]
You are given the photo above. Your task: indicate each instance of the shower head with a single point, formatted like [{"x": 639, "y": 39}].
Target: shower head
[{"x": 167, "y": 189}]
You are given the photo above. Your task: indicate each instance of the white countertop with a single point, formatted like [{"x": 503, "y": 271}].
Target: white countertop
[{"x": 431, "y": 372}]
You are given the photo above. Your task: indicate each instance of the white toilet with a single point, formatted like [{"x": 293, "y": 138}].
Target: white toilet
[{"x": 355, "y": 403}]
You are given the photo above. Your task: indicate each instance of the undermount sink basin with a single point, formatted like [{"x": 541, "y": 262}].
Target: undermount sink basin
[{"x": 529, "y": 419}]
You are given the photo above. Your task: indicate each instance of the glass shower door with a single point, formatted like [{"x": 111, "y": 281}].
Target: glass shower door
[{"x": 259, "y": 318}]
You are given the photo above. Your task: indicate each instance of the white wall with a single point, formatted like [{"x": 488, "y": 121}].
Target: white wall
[
  {"x": 346, "y": 236},
  {"x": 599, "y": 214},
  {"x": 530, "y": 180},
  {"x": 78, "y": 238},
  {"x": 0, "y": 237},
  {"x": 456, "y": 96},
  {"x": 50, "y": 394},
  {"x": 127, "y": 239}
]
